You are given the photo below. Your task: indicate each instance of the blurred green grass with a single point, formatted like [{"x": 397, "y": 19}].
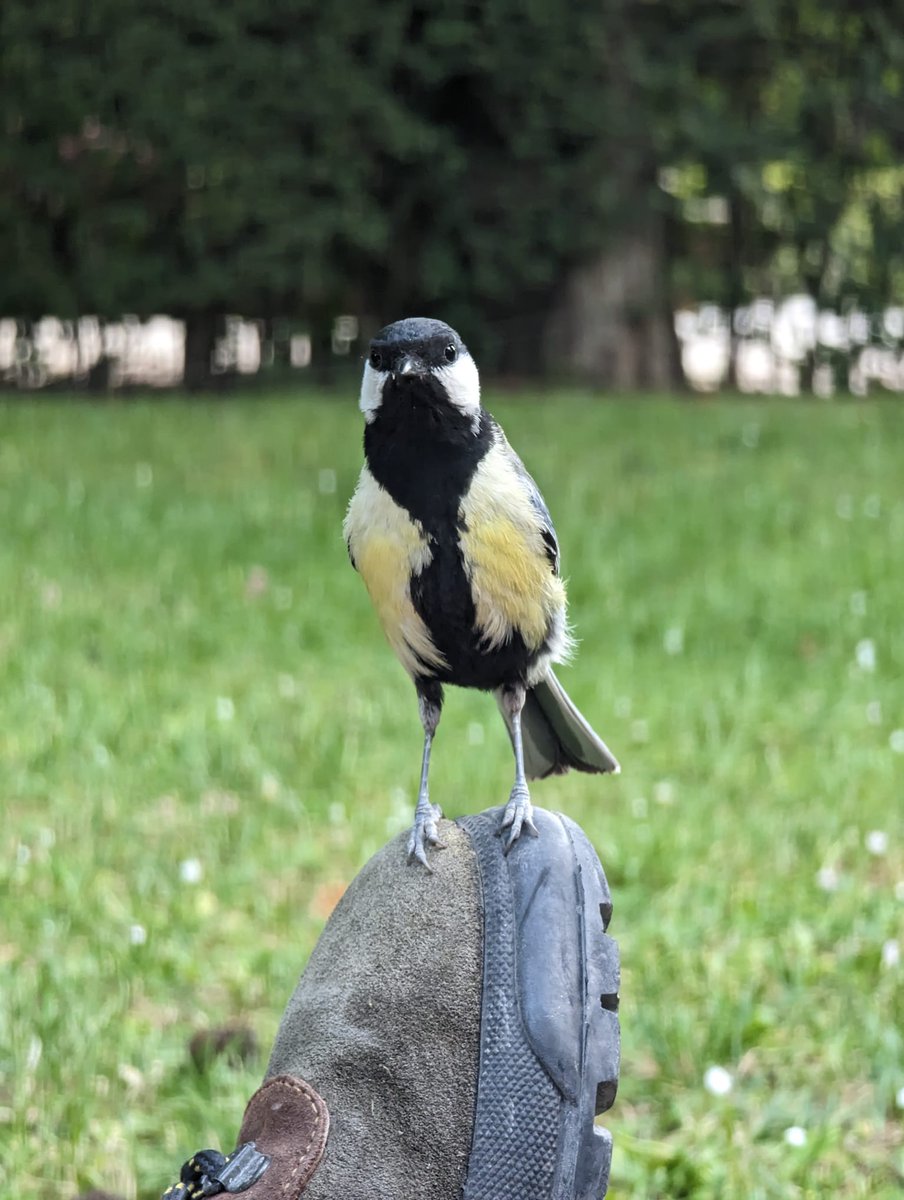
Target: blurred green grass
[{"x": 191, "y": 674}]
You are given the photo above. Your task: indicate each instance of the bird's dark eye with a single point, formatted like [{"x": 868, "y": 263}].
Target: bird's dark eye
[
  {"x": 376, "y": 359},
  {"x": 450, "y": 353}
]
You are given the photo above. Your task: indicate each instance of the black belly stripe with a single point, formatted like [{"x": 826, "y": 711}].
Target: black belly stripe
[
  {"x": 442, "y": 598},
  {"x": 424, "y": 452}
]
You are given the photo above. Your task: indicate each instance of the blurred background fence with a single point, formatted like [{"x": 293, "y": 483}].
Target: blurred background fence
[
  {"x": 644, "y": 195},
  {"x": 765, "y": 348}
]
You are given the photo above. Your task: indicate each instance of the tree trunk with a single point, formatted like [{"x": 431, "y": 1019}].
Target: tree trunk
[
  {"x": 814, "y": 284},
  {"x": 201, "y": 331},
  {"x": 612, "y": 325},
  {"x": 734, "y": 280}
]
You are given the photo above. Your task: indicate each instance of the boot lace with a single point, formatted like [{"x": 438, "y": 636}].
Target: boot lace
[{"x": 210, "y": 1173}]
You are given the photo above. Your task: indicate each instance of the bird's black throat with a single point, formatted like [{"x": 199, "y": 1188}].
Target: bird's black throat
[{"x": 424, "y": 451}]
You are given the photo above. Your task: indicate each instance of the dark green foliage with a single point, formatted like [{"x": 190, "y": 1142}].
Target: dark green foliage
[
  {"x": 302, "y": 159},
  {"x": 791, "y": 114},
  {"x": 295, "y": 158},
  {"x": 202, "y": 159}
]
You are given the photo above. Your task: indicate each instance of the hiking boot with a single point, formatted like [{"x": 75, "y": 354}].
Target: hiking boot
[{"x": 452, "y": 1037}]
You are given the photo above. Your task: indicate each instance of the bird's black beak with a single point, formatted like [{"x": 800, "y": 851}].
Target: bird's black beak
[{"x": 410, "y": 366}]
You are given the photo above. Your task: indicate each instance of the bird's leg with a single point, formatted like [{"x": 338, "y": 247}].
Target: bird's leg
[
  {"x": 424, "y": 833},
  {"x": 519, "y": 812}
]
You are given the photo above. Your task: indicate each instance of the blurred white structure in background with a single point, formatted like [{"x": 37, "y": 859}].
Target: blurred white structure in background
[
  {"x": 149, "y": 353},
  {"x": 772, "y": 341}
]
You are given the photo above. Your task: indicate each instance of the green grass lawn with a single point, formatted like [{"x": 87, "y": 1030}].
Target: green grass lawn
[{"x": 204, "y": 736}]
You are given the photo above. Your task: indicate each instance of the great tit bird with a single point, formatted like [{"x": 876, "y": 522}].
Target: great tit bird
[{"x": 458, "y": 552}]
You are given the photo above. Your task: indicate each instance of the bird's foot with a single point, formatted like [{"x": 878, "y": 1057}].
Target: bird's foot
[
  {"x": 424, "y": 833},
  {"x": 518, "y": 816}
]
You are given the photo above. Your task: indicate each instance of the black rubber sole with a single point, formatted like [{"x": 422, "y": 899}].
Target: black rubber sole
[{"x": 549, "y": 1034}]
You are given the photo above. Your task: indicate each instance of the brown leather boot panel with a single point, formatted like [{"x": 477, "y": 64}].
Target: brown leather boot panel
[{"x": 288, "y": 1121}]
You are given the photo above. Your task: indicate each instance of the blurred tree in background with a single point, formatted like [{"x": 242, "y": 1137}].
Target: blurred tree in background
[{"x": 555, "y": 185}]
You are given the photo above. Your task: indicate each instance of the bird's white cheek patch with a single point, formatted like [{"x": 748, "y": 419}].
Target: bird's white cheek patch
[
  {"x": 462, "y": 383},
  {"x": 371, "y": 391}
]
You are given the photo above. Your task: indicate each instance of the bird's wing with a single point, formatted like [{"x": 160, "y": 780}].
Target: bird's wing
[{"x": 547, "y": 531}]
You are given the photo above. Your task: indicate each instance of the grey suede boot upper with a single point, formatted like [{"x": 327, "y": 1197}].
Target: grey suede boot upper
[
  {"x": 453, "y": 1035},
  {"x": 385, "y": 1025}
]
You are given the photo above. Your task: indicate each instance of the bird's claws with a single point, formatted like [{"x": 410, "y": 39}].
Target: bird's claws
[
  {"x": 419, "y": 854},
  {"x": 518, "y": 818},
  {"x": 425, "y": 834}
]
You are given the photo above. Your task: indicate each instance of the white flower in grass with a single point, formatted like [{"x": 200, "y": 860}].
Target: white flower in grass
[
  {"x": 796, "y": 1135},
  {"x": 286, "y": 687},
  {"x": 257, "y": 582},
  {"x": 191, "y": 871},
  {"x": 899, "y": 890},
  {"x": 858, "y": 604},
  {"x": 130, "y": 1076},
  {"x": 51, "y": 595},
  {"x": 640, "y": 730},
  {"x": 896, "y": 740},
  {"x": 399, "y": 817},
  {"x": 718, "y": 1081},
  {"x": 664, "y": 791},
  {"x": 874, "y": 712},
  {"x": 225, "y": 708},
  {"x": 138, "y": 935},
  {"x": 673, "y": 641},
  {"x": 269, "y": 786},
  {"x": 144, "y": 475},
  {"x": 891, "y": 954},
  {"x": 872, "y": 507},
  {"x": 326, "y": 481},
  {"x": 475, "y": 734},
  {"x": 865, "y": 654},
  {"x": 899, "y": 1098},
  {"x": 876, "y": 842},
  {"x": 33, "y": 1056},
  {"x": 828, "y": 879}
]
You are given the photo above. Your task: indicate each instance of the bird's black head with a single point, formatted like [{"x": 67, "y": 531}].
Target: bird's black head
[
  {"x": 414, "y": 346},
  {"x": 423, "y": 354}
]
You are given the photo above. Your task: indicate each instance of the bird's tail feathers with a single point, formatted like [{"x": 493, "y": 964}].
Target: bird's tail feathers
[{"x": 556, "y": 736}]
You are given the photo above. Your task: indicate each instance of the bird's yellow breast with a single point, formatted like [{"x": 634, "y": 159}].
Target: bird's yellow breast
[
  {"x": 513, "y": 585},
  {"x": 388, "y": 548}
]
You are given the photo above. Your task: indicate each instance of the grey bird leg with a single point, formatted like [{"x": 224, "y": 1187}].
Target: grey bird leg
[
  {"x": 519, "y": 812},
  {"x": 426, "y": 815}
]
